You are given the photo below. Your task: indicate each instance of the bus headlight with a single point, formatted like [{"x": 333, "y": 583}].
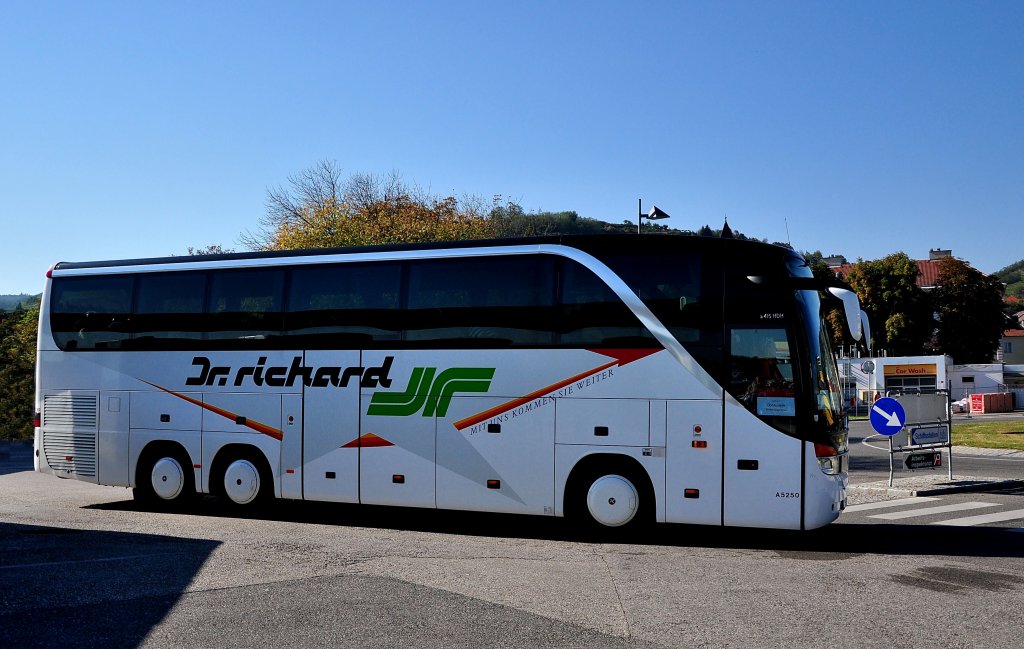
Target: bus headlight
[{"x": 829, "y": 460}]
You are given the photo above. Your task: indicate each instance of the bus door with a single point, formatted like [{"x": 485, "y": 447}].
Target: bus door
[
  {"x": 330, "y": 440},
  {"x": 762, "y": 464},
  {"x": 693, "y": 460}
]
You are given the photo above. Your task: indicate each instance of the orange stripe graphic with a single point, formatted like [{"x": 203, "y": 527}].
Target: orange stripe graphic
[{"x": 259, "y": 427}]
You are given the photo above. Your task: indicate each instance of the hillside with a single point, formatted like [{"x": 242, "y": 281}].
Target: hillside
[
  {"x": 1013, "y": 277},
  {"x": 9, "y": 302}
]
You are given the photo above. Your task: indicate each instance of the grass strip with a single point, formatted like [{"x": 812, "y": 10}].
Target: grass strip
[{"x": 990, "y": 434}]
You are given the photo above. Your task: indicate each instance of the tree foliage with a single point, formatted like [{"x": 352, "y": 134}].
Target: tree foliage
[
  {"x": 970, "y": 315},
  {"x": 1013, "y": 299},
  {"x": 212, "y": 249},
  {"x": 17, "y": 369},
  {"x": 899, "y": 311},
  {"x": 1013, "y": 277},
  {"x": 318, "y": 209}
]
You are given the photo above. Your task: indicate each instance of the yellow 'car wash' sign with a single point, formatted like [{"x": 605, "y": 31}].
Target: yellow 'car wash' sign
[{"x": 910, "y": 370}]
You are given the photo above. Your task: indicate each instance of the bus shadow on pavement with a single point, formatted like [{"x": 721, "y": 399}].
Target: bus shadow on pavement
[
  {"x": 87, "y": 588},
  {"x": 833, "y": 542},
  {"x": 15, "y": 456}
]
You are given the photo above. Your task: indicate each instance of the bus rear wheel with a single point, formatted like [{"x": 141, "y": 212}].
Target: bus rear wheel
[
  {"x": 164, "y": 477},
  {"x": 243, "y": 480}
]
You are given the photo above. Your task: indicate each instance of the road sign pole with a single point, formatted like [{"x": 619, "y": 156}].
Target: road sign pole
[{"x": 890, "y": 461}]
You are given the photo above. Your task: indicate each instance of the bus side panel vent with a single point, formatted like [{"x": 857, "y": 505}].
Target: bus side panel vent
[
  {"x": 70, "y": 411},
  {"x": 69, "y": 422}
]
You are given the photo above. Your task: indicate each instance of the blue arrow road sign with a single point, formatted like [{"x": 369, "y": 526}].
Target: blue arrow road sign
[{"x": 887, "y": 416}]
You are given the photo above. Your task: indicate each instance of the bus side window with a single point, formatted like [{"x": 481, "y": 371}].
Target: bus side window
[
  {"x": 342, "y": 306},
  {"x": 592, "y": 315},
  {"x": 495, "y": 301},
  {"x": 91, "y": 312},
  {"x": 168, "y": 310},
  {"x": 671, "y": 287},
  {"x": 246, "y": 306}
]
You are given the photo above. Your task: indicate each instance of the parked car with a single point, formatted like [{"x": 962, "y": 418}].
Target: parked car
[{"x": 963, "y": 405}]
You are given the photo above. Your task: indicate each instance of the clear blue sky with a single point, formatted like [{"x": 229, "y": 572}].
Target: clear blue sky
[{"x": 140, "y": 128}]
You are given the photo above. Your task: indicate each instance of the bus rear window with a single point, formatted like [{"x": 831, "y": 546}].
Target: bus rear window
[{"x": 91, "y": 312}]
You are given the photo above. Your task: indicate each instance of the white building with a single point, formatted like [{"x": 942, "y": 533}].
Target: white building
[{"x": 867, "y": 378}]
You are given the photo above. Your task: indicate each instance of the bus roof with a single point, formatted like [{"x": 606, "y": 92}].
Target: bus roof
[{"x": 596, "y": 244}]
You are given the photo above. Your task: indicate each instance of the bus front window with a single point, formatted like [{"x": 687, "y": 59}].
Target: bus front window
[{"x": 761, "y": 374}]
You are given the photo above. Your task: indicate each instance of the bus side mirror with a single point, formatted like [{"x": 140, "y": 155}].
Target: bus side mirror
[{"x": 851, "y": 305}]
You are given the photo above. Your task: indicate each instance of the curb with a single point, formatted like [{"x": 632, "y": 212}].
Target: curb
[
  {"x": 964, "y": 485},
  {"x": 987, "y": 452}
]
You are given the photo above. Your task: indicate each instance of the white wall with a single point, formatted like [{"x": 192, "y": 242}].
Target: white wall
[{"x": 988, "y": 377}]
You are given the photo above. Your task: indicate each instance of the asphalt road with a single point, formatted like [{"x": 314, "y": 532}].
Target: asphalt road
[{"x": 82, "y": 565}]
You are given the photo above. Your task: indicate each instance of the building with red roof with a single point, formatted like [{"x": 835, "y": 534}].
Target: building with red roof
[
  {"x": 1011, "y": 347},
  {"x": 928, "y": 275}
]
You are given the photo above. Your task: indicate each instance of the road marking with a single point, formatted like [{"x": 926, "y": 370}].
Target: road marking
[
  {"x": 889, "y": 503},
  {"x": 981, "y": 519},
  {"x": 124, "y": 557},
  {"x": 927, "y": 511},
  {"x": 865, "y": 443}
]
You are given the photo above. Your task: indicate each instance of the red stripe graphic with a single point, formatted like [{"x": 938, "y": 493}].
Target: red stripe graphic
[
  {"x": 368, "y": 440},
  {"x": 621, "y": 356}
]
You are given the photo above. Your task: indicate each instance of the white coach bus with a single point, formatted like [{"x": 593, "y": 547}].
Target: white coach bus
[{"x": 617, "y": 379}]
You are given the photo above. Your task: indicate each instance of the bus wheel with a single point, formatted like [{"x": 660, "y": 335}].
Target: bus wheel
[
  {"x": 245, "y": 480},
  {"x": 613, "y": 501},
  {"x": 164, "y": 476},
  {"x": 610, "y": 495}
]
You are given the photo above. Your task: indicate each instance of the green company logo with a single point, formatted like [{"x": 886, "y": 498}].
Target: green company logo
[{"x": 432, "y": 394}]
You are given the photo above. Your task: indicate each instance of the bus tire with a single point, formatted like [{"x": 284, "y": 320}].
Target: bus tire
[
  {"x": 610, "y": 496},
  {"x": 164, "y": 477},
  {"x": 242, "y": 478}
]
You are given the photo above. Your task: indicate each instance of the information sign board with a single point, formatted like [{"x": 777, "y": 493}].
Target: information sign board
[
  {"x": 923, "y": 460},
  {"x": 929, "y": 435}
]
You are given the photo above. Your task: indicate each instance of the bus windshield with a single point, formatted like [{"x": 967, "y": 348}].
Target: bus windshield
[{"x": 828, "y": 412}]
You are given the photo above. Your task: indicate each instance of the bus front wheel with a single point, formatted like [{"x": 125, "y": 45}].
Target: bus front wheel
[
  {"x": 607, "y": 496},
  {"x": 613, "y": 501}
]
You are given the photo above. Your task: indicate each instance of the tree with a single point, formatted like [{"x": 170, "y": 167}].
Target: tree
[
  {"x": 970, "y": 312},
  {"x": 212, "y": 249},
  {"x": 17, "y": 369},
  {"x": 509, "y": 220},
  {"x": 1013, "y": 277},
  {"x": 319, "y": 210},
  {"x": 899, "y": 311}
]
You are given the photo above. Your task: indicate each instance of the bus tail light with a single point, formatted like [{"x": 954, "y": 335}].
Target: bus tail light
[
  {"x": 829, "y": 460},
  {"x": 37, "y": 420}
]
